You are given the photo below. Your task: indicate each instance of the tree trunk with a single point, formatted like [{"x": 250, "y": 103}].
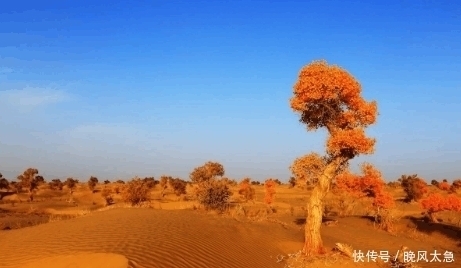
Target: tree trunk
[
  {"x": 313, "y": 244},
  {"x": 31, "y": 196},
  {"x": 433, "y": 218}
]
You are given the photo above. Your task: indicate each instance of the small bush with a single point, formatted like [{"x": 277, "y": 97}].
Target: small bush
[
  {"x": 292, "y": 182},
  {"x": 444, "y": 186},
  {"x": 106, "y": 193},
  {"x": 246, "y": 191},
  {"x": 456, "y": 185},
  {"x": 369, "y": 185},
  {"x": 116, "y": 188},
  {"x": 414, "y": 187},
  {"x": 435, "y": 183},
  {"x": 255, "y": 183},
  {"x": 164, "y": 182},
  {"x": 4, "y": 184},
  {"x": 150, "y": 182},
  {"x": 135, "y": 192},
  {"x": 393, "y": 184},
  {"x": 56, "y": 184},
  {"x": 213, "y": 194},
  {"x": 179, "y": 186},
  {"x": 435, "y": 203},
  {"x": 92, "y": 182},
  {"x": 229, "y": 181},
  {"x": 269, "y": 187},
  {"x": 71, "y": 184},
  {"x": 210, "y": 170}
]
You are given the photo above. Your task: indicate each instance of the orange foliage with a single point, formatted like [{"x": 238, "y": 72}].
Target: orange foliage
[
  {"x": 207, "y": 172},
  {"x": 328, "y": 96},
  {"x": 370, "y": 184},
  {"x": 455, "y": 186},
  {"x": 444, "y": 186},
  {"x": 383, "y": 200},
  {"x": 269, "y": 187},
  {"x": 307, "y": 168},
  {"x": 436, "y": 203},
  {"x": 246, "y": 190},
  {"x": 415, "y": 187},
  {"x": 354, "y": 140}
]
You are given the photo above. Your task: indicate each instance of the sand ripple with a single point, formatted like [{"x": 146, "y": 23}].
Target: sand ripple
[{"x": 147, "y": 237}]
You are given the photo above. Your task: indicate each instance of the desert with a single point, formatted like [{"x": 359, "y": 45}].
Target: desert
[
  {"x": 256, "y": 227},
  {"x": 230, "y": 134}
]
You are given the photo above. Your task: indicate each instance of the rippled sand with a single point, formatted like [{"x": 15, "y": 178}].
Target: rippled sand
[{"x": 138, "y": 238}]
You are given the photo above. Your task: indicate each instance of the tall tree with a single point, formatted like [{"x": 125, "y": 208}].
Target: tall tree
[
  {"x": 208, "y": 171},
  {"x": 71, "y": 183},
  {"x": 30, "y": 180},
  {"x": 4, "y": 184},
  {"x": 92, "y": 182},
  {"x": 327, "y": 96}
]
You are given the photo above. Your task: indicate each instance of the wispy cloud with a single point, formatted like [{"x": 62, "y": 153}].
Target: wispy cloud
[
  {"x": 31, "y": 97},
  {"x": 5, "y": 70},
  {"x": 93, "y": 137}
]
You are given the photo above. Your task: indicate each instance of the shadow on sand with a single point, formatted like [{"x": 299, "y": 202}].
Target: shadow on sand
[
  {"x": 450, "y": 231},
  {"x": 302, "y": 221}
]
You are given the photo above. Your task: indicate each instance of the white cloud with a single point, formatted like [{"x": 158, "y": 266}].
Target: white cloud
[
  {"x": 103, "y": 137},
  {"x": 31, "y": 97}
]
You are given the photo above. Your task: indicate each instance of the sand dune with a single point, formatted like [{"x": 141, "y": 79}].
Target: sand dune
[
  {"x": 146, "y": 237},
  {"x": 88, "y": 260}
]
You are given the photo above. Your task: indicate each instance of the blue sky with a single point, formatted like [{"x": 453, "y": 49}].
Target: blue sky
[{"x": 159, "y": 87}]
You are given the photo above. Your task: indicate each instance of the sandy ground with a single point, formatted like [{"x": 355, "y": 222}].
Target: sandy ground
[{"x": 171, "y": 234}]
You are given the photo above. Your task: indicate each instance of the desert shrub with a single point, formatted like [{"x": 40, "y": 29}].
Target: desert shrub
[
  {"x": 278, "y": 182},
  {"x": 269, "y": 191},
  {"x": 135, "y": 192},
  {"x": 444, "y": 186},
  {"x": 444, "y": 180},
  {"x": 178, "y": 186},
  {"x": 255, "y": 183},
  {"x": 117, "y": 188},
  {"x": 56, "y": 184},
  {"x": 40, "y": 180},
  {"x": 435, "y": 183},
  {"x": 245, "y": 190},
  {"x": 229, "y": 181},
  {"x": 208, "y": 171},
  {"x": 368, "y": 185},
  {"x": 456, "y": 185},
  {"x": 106, "y": 193},
  {"x": 15, "y": 186},
  {"x": 92, "y": 182},
  {"x": 150, "y": 182},
  {"x": 71, "y": 184},
  {"x": 164, "y": 182},
  {"x": 30, "y": 180},
  {"x": 393, "y": 184},
  {"x": 435, "y": 203},
  {"x": 106, "y": 181},
  {"x": 292, "y": 182},
  {"x": 213, "y": 194},
  {"x": 414, "y": 187},
  {"x": 4, "y": 184},
  {"x": 120, "y": 182}
]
